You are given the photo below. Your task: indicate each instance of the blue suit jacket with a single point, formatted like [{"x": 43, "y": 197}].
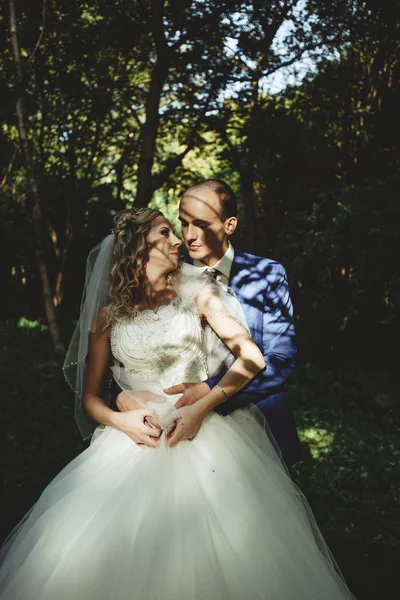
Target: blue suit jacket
[{"x": 261, "y": 286}]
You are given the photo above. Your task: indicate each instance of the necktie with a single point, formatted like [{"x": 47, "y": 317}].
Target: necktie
[{"x": 213, "y": 273}]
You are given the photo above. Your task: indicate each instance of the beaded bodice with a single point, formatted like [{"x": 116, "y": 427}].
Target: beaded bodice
[
  {"x": 155, "y": 351},
  {"x": 161, "y": 349}
]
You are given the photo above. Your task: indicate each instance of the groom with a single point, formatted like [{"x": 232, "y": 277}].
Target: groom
[{"x": 208, "y": 215}]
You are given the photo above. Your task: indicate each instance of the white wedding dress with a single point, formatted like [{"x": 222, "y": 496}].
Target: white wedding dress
[{"x": 216, "y": 518}]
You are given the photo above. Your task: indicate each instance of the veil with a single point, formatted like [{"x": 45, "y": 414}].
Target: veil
[{"x": 95, "y": 296}]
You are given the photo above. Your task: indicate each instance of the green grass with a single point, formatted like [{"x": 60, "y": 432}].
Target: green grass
[{"x": 349, "y": 424}]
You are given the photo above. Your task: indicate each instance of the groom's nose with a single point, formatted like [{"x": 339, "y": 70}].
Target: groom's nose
[{"x": 190, "y": 234}]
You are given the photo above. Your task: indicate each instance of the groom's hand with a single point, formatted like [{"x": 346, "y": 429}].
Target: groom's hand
[{"x": 191, "y": 393}]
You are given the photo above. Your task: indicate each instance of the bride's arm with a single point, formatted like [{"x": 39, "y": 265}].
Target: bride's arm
[
  {"x": 99, "y": 358},
  {"x": 249, "y": 361}
]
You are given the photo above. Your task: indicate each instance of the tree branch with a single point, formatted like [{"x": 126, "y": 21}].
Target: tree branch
[
  {"x": 9, "y": 169},
  {"x": 290, "y": 61},
  {"x": 171, "y": 165},
  {"x": 209, "y": 19},
  {"x": 42, "y": 31}
]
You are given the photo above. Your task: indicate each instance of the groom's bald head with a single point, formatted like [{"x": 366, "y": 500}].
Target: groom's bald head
[{"x": 226, "y": 196}]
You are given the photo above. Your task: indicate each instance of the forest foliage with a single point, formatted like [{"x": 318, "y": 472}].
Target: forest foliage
[
  {"x": 292, "y": 102},
  {"x": 129, "y": 103}
]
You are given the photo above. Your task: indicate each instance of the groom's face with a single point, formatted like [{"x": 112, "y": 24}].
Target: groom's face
[{"x": 204, "y": 231}]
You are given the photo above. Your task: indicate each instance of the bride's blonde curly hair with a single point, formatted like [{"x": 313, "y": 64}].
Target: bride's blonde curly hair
[{"x": 130, "y": 256}]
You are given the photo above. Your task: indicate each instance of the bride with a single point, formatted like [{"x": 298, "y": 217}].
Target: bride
[{"x": 137, "y": 516}]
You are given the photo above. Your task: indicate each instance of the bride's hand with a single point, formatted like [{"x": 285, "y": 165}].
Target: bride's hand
[
  {"x": 187, "y": 427},
  {"x": 135, "y": 424}
]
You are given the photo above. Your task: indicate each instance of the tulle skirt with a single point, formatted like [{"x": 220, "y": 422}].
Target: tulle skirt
[{"x": 213, "y": 519}]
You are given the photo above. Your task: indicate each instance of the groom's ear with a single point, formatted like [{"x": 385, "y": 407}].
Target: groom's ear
[{"x": 230, "y": 225}]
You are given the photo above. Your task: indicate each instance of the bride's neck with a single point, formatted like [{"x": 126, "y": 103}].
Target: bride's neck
[{"x": 154, "y": 282}]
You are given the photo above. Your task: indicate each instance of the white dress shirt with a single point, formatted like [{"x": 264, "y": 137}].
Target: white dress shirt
[{"x": 224, "y": 265}]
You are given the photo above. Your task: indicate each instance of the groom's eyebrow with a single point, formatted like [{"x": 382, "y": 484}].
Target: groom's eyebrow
[{"x": 195, "y": 221}]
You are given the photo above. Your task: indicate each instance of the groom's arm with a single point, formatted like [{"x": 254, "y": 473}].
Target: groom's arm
[{"x": 278, "y": 344}]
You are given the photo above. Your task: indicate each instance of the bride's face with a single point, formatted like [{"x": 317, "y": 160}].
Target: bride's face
[{"x": 163, "y": 245}]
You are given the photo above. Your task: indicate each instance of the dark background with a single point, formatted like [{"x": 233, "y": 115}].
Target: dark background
[{"x": 295, "y": 104}]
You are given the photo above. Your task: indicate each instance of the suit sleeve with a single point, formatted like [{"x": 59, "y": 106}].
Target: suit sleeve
[
  {"x": 278, "y": 345},
  {"x": 115, "y": 390}
]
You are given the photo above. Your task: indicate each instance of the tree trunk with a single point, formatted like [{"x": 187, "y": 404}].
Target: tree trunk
[
  {"x": 150, "y": 128},
  {"x": 149, "y": 136},
  {"x": 34, "y": 190},
  {"x": 247, "y": 185}
]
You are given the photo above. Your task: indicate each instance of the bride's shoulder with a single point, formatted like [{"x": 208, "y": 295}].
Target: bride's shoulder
[
  {"x": 189, "y": 270},
  {"x": 198, "y": 288},
  {"x": 192, "y": 280}
]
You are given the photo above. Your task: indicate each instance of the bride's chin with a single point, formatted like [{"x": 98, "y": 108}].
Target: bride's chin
[
  {"x": 171, "y": 269},
  {"x": 175, "y": 264}
]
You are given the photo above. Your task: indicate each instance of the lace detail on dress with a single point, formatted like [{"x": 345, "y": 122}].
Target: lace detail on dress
[
  {"x": 154, "y": 351},
  {"x": 159, "y": 353}
]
